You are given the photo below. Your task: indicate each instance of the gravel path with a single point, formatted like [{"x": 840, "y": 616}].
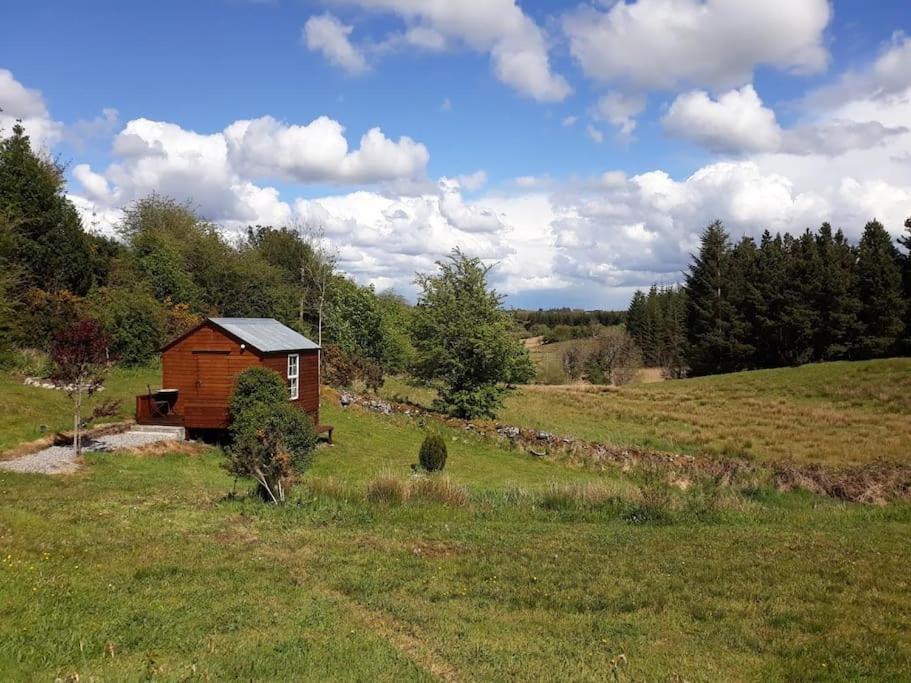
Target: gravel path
[{"x": 60, "y": 460}]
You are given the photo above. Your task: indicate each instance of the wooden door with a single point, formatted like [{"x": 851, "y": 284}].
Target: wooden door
[{"x": 213, "y": 377}]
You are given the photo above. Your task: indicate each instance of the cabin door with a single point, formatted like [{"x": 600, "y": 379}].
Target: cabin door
[{"x": 212, "y": 376}]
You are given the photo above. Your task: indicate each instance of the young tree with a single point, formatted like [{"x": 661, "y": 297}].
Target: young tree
[
  {"x": 614, "y": 359},
  {"x": 464, "y": 339},
  {"x": 317, "y": 271},
  {"x": 81, "y": 359},
  {"x": 879, "y": 288}
]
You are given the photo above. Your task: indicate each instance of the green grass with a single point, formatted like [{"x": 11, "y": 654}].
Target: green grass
[
  {"x": 29, "y": 413},
  {"x": 834, "y": 413},
  {"x": 141, "y": 567},
  {"x": 365, "y": 446}
]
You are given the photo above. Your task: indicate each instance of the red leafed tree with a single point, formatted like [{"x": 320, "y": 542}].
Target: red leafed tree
[{"x": 81, "y": 359}]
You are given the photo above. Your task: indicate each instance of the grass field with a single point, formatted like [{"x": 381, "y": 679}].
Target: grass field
[
  {"x": 142, "y": 567},
  {"x": 29, "y": 413},
  {"x": 835, "y": 413}
]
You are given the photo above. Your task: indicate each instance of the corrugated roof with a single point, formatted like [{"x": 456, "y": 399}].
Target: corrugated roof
[{"x": 266, "y": 334}]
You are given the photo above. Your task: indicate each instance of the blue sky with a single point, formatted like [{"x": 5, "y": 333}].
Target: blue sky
[{"x": 498, "y": 133}]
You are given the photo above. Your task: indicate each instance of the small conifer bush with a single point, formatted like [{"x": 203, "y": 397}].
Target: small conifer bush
[{"x": 433, "y": 453}]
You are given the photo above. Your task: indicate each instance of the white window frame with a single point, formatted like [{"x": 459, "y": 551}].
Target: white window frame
[{"x": 294, "y": 377}]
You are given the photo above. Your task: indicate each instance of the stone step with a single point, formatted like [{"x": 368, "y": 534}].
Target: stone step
[{"x": 175, "y": 433}]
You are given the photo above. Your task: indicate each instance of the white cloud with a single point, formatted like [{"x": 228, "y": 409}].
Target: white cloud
[
  {"x": 665, "y": 44},
  {"x": 892, "y": 70},
  {"x": 446, "y": 104},
  {"x": 326, "y": 34},
  {"x": 384, "y": 240},
  {"x": 620, "y": 109},
  {"x": 569, "y": 120},
  {"x": 217, "y": 171},
  {"x": 517, "y": 46},
  {"x": 318, "y": 151},
  {"x": 19, "y": 102},
  {"x": 595, "y": 134},
  {"x": 473, "y": 181},
  {"x": 737, "y": 121}
]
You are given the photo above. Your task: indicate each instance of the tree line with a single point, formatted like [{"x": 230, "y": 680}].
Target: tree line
[
  {"x": 562, "y": 324},
  {"x": 166, "y": 268},
  {"x": 785, "y": 300}
]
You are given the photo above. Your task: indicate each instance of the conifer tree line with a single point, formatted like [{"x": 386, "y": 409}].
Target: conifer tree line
[{"x": 784, "y": 301}]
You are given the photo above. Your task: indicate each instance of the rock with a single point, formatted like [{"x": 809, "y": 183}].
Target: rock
[
  {"x": 509, "y": 432},
  {"x": 345, "y": 400}
]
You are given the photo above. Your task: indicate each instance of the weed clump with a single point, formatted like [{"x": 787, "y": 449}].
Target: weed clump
[
  {"x": 388, "y": 488},
  {"x": 433, "y": 453},
  {"x": 655, "y": 499},
  {"x": 439, "y": 489}
]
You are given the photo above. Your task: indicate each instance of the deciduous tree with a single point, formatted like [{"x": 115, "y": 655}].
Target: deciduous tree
[{"x": 464, "y": 339}]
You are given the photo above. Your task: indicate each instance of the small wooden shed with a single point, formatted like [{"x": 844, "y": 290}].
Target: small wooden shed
[{"x": 200, "y": 367}]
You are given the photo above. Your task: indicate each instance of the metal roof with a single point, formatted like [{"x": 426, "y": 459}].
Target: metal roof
[{"x": 266, "y": 334}]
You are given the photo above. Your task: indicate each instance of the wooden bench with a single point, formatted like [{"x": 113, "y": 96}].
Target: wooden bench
[{"x": 325, "y": 429}]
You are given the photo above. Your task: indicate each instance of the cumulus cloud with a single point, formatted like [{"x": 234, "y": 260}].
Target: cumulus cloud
[
  {"x": 326, "y": 34},
  {"x": 27, "y": 105},
  {"x": 384, "y": 240},
  {"x": 737, "y": 121},
  {"x": 665, "y": 44},
  {"x": 218, "y": 171},
  {"x": 517, "y": 46},
  {"x": 318, "y": 151}
]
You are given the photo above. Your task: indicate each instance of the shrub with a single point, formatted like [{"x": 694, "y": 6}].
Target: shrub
[
  {"x": 271, "y": 443},
  {"x": 470, "y": 403},
  {"x": 256, "y": 386},
  {"x": 388, "y": 487},
  {"x": 433, "y": 453}
]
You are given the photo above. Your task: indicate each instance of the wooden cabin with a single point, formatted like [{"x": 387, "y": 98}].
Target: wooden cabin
[{"x": 199, "y": 369}]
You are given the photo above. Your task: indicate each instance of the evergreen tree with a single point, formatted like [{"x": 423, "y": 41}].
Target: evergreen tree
[
  {"x": 834, "y": 296},
  {"x": 714, "y": 325},
  {"x": 879, "y": 288},
  {"x": 905, "y": 241},
  {"x": 49, "y": 244},
  {"x": 635, "y": 318}
]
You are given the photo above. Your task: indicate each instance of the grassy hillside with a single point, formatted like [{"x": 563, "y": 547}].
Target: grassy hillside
[
  {"x": 836, "y": 413},
  {"x": 142, "y": 567}
]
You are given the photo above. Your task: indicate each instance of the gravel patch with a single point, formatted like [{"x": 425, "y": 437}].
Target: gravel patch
[{"x": 60, "y": 459}]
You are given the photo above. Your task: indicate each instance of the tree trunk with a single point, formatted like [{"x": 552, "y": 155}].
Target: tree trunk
[{"x": 77, "y": 419}]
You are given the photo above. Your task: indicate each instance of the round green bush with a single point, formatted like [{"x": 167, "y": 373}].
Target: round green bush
[
  {"x": 433, "y": 453},
  {"x": 256, "y": 386},
  {"x": 272, "y": 444}
]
